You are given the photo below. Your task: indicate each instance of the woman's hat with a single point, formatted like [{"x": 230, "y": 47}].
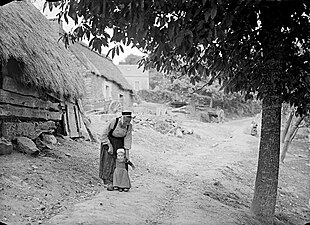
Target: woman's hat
[
  {"x": 127, "y": 113},
  {"x": 120, "y": 150}
]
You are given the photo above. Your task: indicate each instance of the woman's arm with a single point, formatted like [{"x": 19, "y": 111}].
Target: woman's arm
[{"x": 106, "y": 130}]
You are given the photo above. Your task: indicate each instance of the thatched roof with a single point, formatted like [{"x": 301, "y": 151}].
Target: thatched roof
[
  {"x": 28, "y": 37},
  {"x": 100, "y": 65}
]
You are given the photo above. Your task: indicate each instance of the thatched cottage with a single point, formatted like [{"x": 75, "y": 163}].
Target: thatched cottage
[
  {"x": 106, "y": 87},
  {"x": 40, "y": 85}
]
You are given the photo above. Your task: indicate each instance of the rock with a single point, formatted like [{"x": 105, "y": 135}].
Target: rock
[
  {"x": 26, "y": 145},
  {"x": 6, "y": 147},
  {"x": 49, "y": 138},
  {"x": 204, "y": 117},
  {"x": 34, "y": 167},
  {"x": 178, "y": 132},
  {"x": 42, "y": 145}
]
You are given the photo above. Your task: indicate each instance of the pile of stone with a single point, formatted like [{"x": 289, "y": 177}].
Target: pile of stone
[
  {"x": 163, "y": 124},
  {"x": 26, "y": 145}
]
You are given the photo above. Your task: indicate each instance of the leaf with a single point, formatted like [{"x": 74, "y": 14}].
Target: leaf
[
  {"x": 113, "y": 53},
  {"x": 207, "y": 15},
  {"x": 109, "y": 52},
  {"x": 87, "y": 34},
  {"x": 50, "y": 6},
  {"x": 117, "y": 50},
  {"x": 44, "y": 6},
  {"x": 106, "y": 35},
  {"x": 66, "y": 17},
  {"x": 72, "y": 14},
  {"x": 121, "y": 47},
  {"x": 213, "y": 12},
  {"x": 99, "y": 48},
  {"x": 128, "y": 41},
  {"x": 91, "y": 42}
]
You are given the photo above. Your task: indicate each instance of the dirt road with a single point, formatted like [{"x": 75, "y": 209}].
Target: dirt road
[
  {"x": 190, "y": 180},
  {"x": 203, "y": 178}
]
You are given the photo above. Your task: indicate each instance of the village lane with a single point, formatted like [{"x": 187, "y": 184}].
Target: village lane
[{"x": 177, "y": 180}]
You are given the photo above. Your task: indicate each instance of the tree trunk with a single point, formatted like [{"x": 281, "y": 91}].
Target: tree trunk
[
  {"x": 287, "y": 125},
  {"x": 289, "y": 138},
  {"x": 266, "y": 184}
]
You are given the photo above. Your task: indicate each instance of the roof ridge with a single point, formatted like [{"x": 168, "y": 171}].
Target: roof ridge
[{"x": 86, "y": 46}]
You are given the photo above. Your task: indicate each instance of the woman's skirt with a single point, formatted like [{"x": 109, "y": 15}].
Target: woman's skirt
[{"x": 107, "y": 161}]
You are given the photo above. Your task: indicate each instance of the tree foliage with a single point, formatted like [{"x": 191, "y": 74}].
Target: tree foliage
[
  {"x": 224, "y": 40},
  {"x": 131, "y": 59}
]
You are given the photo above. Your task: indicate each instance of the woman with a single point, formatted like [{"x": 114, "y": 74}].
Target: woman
[{"x": 117, "y": 134}]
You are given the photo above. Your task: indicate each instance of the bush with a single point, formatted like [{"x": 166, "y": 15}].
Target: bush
[
  {"x": 231, "y": 103},
  {"x": 157, "y": 96}
]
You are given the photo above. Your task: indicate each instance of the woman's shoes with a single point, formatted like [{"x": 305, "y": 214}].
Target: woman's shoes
[
  {"x": 111, "y": 188},
  {"x": 123, "y": 189}
]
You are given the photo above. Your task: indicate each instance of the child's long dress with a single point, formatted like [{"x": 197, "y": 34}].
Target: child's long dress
[{"x": 120, "y": 175}]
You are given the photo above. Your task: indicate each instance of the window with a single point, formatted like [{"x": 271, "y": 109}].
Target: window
[
  {"x": 121, "y": 97},
  {"x": 107, "y": 92}
]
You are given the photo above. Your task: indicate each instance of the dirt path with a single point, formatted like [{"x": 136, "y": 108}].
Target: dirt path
[
  {"x": 189, "y": 180},
  {"x": 204, "y": 178}
]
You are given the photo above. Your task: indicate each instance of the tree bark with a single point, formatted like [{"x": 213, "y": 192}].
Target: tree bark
[
  {"x": 289, "y": 138},
  {"x": 266, "y": 184}
]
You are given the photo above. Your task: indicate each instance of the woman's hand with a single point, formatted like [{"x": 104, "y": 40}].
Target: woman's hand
[
  {"x": 127, "y": 154},
  {"x": 110, "y": 150}
]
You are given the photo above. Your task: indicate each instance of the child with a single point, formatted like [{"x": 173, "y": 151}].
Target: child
[{"x": 121, "y": 181}]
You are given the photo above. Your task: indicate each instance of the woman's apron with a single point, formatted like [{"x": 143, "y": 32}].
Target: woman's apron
[{"x": 107, "y": 161}]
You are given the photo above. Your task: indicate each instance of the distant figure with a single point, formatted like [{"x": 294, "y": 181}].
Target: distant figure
[
  {"x": 220, "y": 115},
  {"x": 254, "y": 128},
  {"x": 255, "y": 124},
  {"x": 121, "y": 181}
]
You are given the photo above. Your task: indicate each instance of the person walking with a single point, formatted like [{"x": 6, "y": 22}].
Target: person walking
[
  {"x": 121, "y": 180},
  {"x": 116, "y": 134}
]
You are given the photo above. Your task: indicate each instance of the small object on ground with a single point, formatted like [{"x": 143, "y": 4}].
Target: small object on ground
[
  {"x": 217, "y": 183},
  {"x": 254, "y": 129},
  {"x": 34, "y": 167}
]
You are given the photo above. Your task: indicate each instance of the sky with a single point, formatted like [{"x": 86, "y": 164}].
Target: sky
[{"x": 68, "y": 27}]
